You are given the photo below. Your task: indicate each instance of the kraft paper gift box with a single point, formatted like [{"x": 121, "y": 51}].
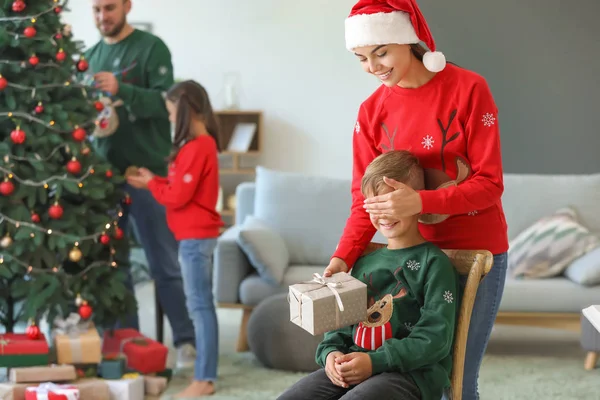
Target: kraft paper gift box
[
  {"x": 13, "y": 391},
  {"x": 326, "y": 304},
  {"x": 53, "y": 373},
  {"x": 77, "y": 341},
  {"x": 92, "y": 389},
  {"x": 155, "y": 385}
]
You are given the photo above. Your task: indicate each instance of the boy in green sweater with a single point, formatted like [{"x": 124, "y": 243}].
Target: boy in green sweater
[{"x": 404, "y": 348}]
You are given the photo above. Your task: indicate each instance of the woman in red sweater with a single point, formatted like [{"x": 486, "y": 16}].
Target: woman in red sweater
[
  {"x": 447, "y": 117},
  {"x": 189, "y": 195}
]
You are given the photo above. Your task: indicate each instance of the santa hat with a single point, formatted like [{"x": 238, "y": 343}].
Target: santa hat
[{"x": 376, "y": 22}]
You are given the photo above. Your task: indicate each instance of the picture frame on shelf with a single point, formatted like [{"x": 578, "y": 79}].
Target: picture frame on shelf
[{"x": 241, "y": 137}]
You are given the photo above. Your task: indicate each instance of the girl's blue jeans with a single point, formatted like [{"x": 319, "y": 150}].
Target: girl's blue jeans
[
  {"x": 195, "y": 257},
  {"x": 487, "y": 302}
]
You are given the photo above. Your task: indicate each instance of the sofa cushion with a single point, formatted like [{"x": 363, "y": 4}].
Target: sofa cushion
[
  {"x": 529, "y": 197},
  {"x": 586, "y": 269},
  {"x": 309, "y": 212},
  {"x": 547, "y": 247},
  {"x": 265, "y": 249},
  {"x": 552, "y": 295},
  {"x": 254, "y": 289}
]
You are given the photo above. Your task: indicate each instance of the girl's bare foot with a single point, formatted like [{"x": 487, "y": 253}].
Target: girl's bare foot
[{"x": 197, "y": 389}]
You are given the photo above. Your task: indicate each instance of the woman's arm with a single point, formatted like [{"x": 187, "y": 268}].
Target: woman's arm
[
  {"x": 359, "y": 230},
  {"x": 484, "y": 188}
]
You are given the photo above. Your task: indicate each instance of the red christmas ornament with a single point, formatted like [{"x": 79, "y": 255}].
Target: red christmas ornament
[
  {"x": 34, "y": 60},
  {"x": 61, "y": 55},
  {"x": 7, "y": 188},
  {"x": 85, "y": 310},
  {"x": 39, "y": 108},
  {"x": 3, "y": 83},
  {"x": 33, "y": 331},
  {"x": 119, "y": 234},
  {"x": 109, "y": 174},
  {"x": 127, "y": 200},
  {"x": 82, "y": 65},
  {"x": 104, "y": 239},
  {"x": 99, "y": 106},
  {"x": 18, "y": 136},
  {"x": 57, "y": 10},
  {"x": 79, "y": 134},
  {"x": 55, "y": 211},
  {"x": 103, "y": 123},
  {"x": 58, "y": 36},
  {"x": 74, "y": 166},
  {"x": 18, "y": 6},
  {"x": 85, "y": 151},
  {"x": 35, "y": 218},
  {"x": 29, "y": 32}
]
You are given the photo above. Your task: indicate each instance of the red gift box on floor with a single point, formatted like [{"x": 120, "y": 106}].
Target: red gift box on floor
[
  {"x": 18, "y": 350},
  {"x": 50, "y": 391},
  {"x": 144, "y": 355}
]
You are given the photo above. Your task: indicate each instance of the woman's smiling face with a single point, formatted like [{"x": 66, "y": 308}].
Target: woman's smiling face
[{"x": 389, "y": 63}]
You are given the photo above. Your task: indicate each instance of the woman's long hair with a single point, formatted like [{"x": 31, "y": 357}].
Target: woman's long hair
[{"x": 192, "y": 101}]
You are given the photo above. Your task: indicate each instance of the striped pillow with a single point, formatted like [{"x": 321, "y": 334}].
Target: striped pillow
[{"x": 547, "y": 247}]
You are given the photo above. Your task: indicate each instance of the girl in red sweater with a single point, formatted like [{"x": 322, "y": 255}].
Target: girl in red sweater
[
  {"x": 189, "y": 195},
  {"x": 447, "y": 117}
]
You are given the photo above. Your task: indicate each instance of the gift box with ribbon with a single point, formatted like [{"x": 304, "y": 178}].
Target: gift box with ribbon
[
  {"x": 51, "y": 373},
  {"x": 325, "y": 304},
  {"x": 18, "y": 350},
  {"x": 155, "y": 385},
  {"x": 51, "y": 391},
  {"x": 77, "y": 341},
  {"x": 143, "y": 355}
]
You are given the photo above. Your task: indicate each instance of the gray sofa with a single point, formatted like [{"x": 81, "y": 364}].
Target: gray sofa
[{"x": 310, "y": 212}]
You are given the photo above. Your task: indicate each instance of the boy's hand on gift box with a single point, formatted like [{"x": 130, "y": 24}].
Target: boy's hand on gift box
[
  {"x": 335, "y": 265},
  {"x": 354, "y": 368},
  {"x": 331, "y": 371}
]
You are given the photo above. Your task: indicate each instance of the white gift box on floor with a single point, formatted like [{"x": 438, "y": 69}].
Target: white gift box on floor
[
  {"x": 326, "y": 304},
  {"x": 127, "y": 388}
]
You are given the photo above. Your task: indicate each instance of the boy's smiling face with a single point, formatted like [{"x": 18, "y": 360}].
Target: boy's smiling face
[{"x": 389, "y": 227}]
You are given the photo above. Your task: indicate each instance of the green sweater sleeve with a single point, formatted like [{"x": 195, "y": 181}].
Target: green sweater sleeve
[
  {"x": 338, "y": 340},
  {"x": 148, "y": 101},
  {"x": 432, "y": 337}
]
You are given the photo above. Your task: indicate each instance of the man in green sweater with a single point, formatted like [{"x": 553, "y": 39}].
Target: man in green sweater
[
  {"x": 403, "y": 350},
  {"x": 133, "y": 68}
]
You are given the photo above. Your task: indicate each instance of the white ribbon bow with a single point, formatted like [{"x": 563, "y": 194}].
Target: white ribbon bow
[
  {"x": 73, "y": 325},
  {"x": 317, "y": 278},
  {"x": 44, "y": 389}
]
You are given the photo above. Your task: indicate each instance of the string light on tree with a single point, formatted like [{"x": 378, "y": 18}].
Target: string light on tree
[{"x": 6, "y": 241}]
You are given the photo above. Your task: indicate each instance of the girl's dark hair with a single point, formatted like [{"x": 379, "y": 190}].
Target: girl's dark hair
[{"x": 192, "y": 102}]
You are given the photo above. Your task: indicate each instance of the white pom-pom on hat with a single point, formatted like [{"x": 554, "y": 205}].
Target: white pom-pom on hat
[{"x": 434, "y": 61}]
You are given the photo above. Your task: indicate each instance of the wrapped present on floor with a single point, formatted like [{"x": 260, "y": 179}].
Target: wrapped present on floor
[
  {"x": 325, "y": 304},
  {"x": 77, "y": 341},
  {"x": 52, "y": 391},
  {"x": 13, "y": 391},
  {"x": 113, "y": 366},
  {"x": 155, "y": 385},
  {"x": 18, "y": 350},
  {"x": 129, "y": 387},
  {"x": 167, "y": 373},
  {"x": 52, "y": 373},
  {"x": 92, "y": 389},
  {"x": 143, "y": 355}
]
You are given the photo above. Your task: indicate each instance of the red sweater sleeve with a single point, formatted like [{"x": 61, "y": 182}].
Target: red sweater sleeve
[
  {"x": 485, "y": 186},
  {"x": 187, "y": 174},
  {"x": 358, "y": 231}
]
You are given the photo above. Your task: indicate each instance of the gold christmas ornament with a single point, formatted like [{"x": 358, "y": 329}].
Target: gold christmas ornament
[
  {"x": 6, "y": 242},
  {"x": 75, "y": 254}
]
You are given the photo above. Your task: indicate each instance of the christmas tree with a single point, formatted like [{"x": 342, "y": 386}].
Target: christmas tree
[{"x": 61, "y": 249}]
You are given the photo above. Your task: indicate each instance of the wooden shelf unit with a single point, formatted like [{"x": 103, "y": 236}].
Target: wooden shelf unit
[{"x": 236, "y": 167}]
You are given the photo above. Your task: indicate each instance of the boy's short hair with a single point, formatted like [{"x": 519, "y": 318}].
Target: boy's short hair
[{"x": 400, "y": 165}]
